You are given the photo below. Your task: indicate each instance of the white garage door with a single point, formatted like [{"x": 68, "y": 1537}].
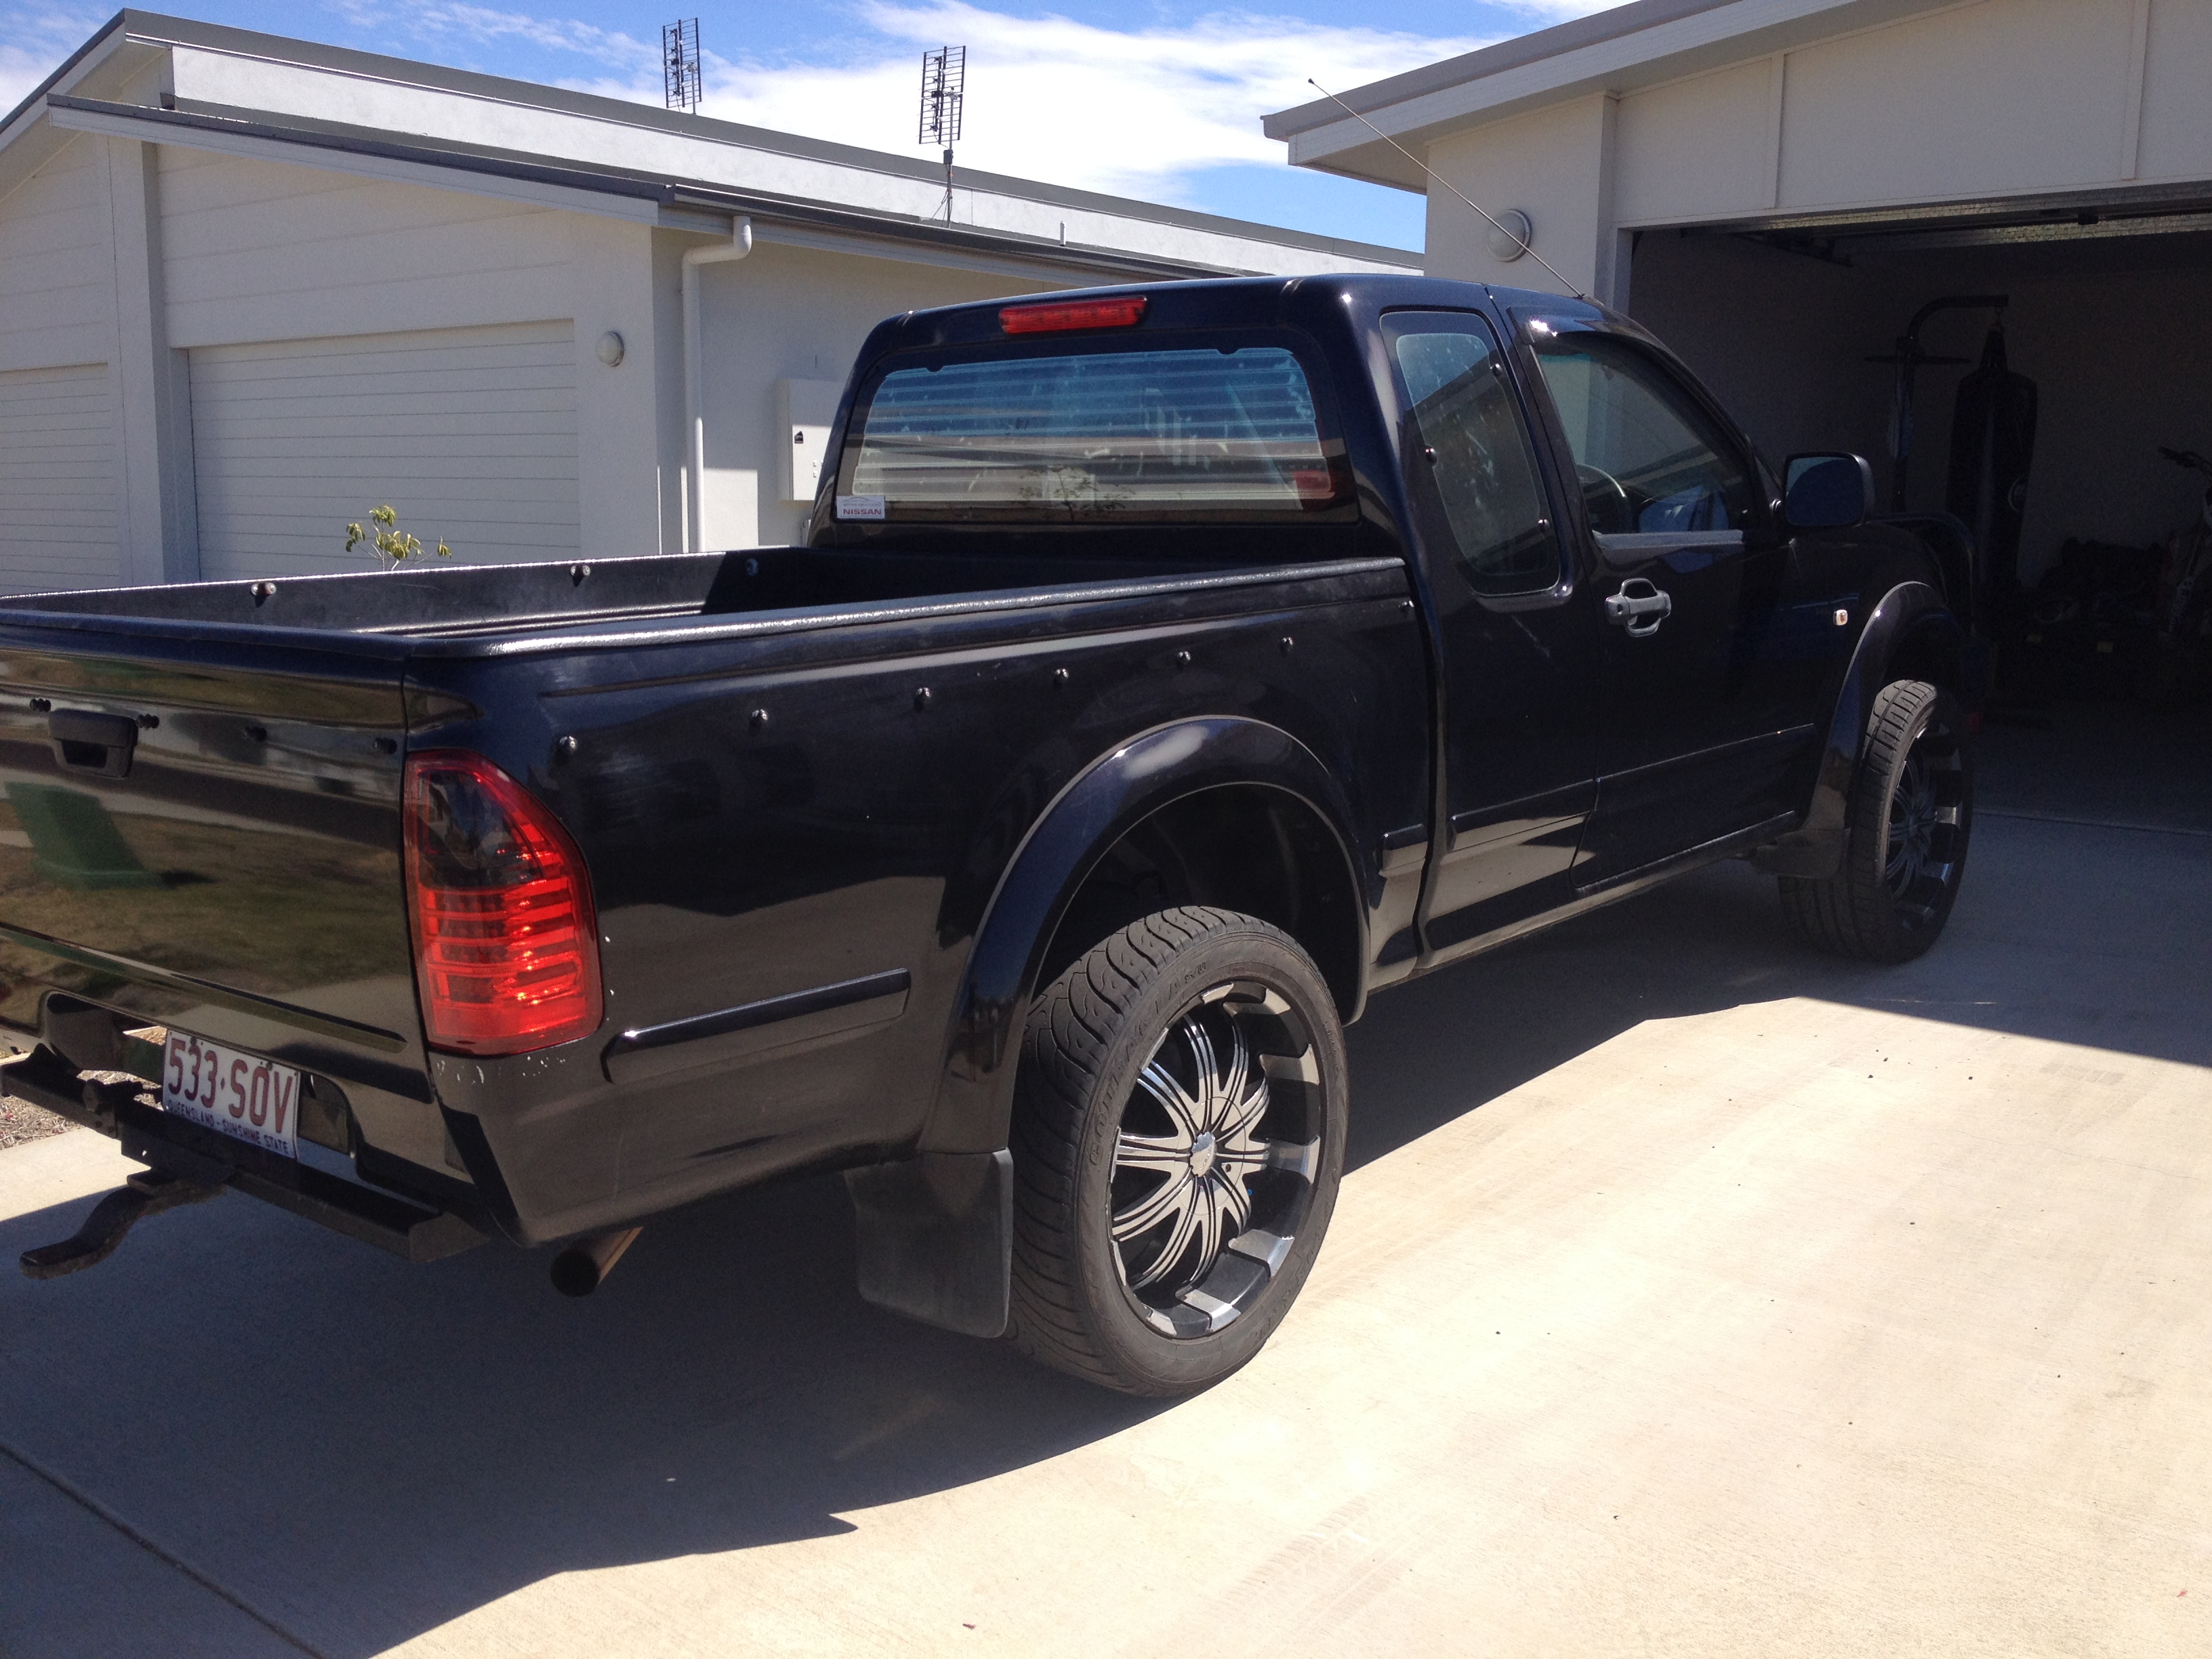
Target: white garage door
[
  {"x": 469, "y": 432},
  {"x": 58, "y": 486}
]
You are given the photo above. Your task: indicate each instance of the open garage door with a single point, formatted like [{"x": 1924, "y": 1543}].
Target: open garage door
[
  {"x": 469, "y": 432},
  {"x": 2106, "y": 315},
  {"x": 2107, "y": 310},
  {"x": 58, "y": 482}
]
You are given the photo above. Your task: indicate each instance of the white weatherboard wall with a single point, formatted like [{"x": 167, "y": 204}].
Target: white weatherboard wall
[
  {"x": 1556, "y": 165},
  {"x": 57, "y": 281},
  {"x": 60, "y": 476},
  {"x": 56, "y": 477},
  {"x": 468, "y": 433}
]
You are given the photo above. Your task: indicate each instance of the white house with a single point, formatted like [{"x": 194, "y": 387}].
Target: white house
[
  {"x": 1775, "y": 186},
  {"x": 251, "y": 286}
]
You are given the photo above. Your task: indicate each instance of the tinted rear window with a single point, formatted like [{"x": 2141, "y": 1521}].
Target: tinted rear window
[{"x": 1141, "y": 433}]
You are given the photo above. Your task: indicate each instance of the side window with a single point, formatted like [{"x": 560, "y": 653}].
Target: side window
[
  {"x": 1465, "y": 413},
  {"x": 1649, "y": 460}
]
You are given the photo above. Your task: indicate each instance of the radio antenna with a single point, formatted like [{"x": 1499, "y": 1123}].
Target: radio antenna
[
  {"x": 1510, "y": 236},
  {"x": 944, "y": 93}
]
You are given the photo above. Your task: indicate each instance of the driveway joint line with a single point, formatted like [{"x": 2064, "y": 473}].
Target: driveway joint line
[
  {"x": 2093, "y": 823},
  {"x": 85, "y": 1500}
]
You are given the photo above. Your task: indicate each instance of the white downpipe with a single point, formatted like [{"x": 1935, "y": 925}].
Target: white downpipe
[{"x": 695, "y": 371}]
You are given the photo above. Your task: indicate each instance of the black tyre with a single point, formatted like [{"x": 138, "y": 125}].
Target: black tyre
[
  {"x": 1912, "y": 810},
  {"x": 1178, "y": 1138}
]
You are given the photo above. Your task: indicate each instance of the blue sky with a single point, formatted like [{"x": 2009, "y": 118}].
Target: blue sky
[{"x": 1152, "y": 101}]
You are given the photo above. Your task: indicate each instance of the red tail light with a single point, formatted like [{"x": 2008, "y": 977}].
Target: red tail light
[
  {"x": 506, "y": 947},
  {"x": 1066, "y": 317}
]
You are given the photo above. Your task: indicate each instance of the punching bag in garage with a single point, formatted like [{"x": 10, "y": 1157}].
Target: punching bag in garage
[{"x": 1992, "y": 441}]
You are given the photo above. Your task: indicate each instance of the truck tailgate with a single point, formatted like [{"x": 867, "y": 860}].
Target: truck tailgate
[{"x": 201, "y": 829}]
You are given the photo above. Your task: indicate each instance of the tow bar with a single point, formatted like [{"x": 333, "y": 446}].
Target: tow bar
[
  {"x": 147, "y": 1193},
  {"x": 190, "y": 1162}
]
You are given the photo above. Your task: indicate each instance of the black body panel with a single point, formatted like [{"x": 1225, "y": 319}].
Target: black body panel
[{"x": 783, "y": 811}]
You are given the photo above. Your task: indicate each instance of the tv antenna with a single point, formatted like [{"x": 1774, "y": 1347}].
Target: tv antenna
[
  {"x": 679, "y": 63},
  {"x": 944, "y": 90}
]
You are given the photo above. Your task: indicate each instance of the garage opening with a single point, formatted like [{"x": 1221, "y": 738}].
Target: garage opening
[{"x": 2058, "y": 380}]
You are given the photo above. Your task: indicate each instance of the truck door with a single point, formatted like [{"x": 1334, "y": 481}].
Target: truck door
[
  {"x": 1520, "y": 646},
  {"x": 1698, "y": 728}
]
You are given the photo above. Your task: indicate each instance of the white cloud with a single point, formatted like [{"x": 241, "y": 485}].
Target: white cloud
[
  {"x": 434, "y": 19},
  {"x": 1126, "y": 111},
  {"x": 32, "y": 45},
  {"x": 1541, "y": 12}
]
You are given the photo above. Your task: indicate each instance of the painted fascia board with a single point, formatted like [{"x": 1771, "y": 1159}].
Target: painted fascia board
[
  {"x": 313, "y": 57},
  {"x": 1672, "y": 49},
  {"x": 132, "y": 121}
]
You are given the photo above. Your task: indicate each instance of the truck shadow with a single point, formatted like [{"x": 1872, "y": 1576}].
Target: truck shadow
[{"x": 367, "y": 1451}]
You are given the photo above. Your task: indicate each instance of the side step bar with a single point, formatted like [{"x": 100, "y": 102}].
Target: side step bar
[{"x": 200, "y": 1157}]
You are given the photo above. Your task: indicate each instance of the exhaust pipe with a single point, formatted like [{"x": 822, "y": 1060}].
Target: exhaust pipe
[{"x": 578, "y": 1270}]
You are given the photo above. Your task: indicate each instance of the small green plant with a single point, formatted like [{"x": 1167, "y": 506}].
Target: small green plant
[{"x": 390, "y": 543}]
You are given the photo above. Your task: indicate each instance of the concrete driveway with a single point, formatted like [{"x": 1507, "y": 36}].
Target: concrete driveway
[{"x": 1690, "y": 1295}]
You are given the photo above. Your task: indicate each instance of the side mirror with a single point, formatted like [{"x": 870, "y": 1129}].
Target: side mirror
[{"x": 1827, "y": 492}]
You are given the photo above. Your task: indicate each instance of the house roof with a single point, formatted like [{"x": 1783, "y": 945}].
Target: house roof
[
  {"x": 1618, "y": 50},
  {"x": 608, "y": 150}
]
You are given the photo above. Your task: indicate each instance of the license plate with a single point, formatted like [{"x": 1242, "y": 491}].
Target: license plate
[{"x": 255, "y": 1100}]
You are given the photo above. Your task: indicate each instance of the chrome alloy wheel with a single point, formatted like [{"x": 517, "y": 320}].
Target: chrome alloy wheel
[
  {"x": 1214, "y": 1159},
  {"x": 1926, "y": 825}
]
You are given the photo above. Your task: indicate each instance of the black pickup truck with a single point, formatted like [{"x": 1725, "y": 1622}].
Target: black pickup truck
[{"x": 1167, "y": 669}]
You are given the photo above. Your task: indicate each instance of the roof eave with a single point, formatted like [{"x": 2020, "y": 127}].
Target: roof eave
[
  {"x": 640, "y": 195},
  {"x": 104, "y": 40},
  {"x": 165, "y": 30},
  {"x": 1621, "y": 50}
]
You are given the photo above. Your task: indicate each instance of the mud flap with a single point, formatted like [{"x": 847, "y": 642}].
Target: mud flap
[
  {"x": 1816, "y": 852},
  {"x": 936, "y": 1237}
]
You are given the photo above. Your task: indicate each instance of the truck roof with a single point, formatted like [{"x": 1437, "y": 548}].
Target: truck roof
[{"x": 1223, "y": 302}]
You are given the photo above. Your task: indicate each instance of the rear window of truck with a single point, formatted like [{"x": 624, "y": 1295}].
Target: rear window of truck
[{"x": 1125, "y": 434}]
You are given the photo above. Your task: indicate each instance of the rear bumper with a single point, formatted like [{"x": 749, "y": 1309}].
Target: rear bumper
[{"x": 175, "y": 1147}]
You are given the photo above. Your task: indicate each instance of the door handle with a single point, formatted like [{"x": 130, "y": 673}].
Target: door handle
[{"x": 1640, "y": 606}]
